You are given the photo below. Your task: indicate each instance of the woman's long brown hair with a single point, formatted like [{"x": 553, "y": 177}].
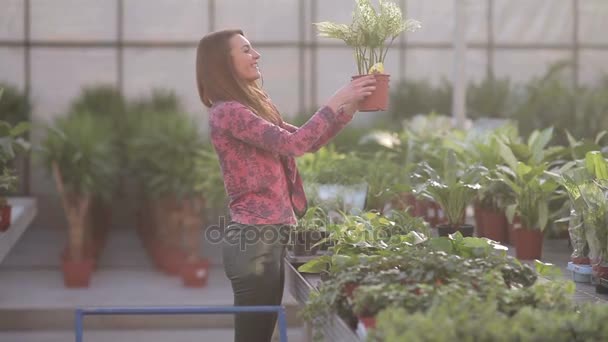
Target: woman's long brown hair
[{"x": 217, "y": 81}]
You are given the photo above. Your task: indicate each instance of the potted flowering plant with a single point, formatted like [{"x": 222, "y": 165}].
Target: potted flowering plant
[{"x": 371, "y": 33}]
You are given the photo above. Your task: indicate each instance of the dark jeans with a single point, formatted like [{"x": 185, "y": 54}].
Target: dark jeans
[{"x": 253, "y": 261}]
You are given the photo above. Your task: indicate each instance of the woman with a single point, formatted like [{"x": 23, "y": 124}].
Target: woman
[{"x": 256, "y": 150}]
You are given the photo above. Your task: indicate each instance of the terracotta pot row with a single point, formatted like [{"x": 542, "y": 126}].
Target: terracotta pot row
[{"x": 495, "y": 226}]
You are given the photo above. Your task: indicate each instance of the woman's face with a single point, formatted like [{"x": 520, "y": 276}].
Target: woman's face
[{"x": 244, "y": 59}]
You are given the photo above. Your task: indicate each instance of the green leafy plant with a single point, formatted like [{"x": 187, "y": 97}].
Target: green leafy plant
[
  {"x": 15, "y": 106},
  {"x": 11, "y": 142},
  {"x": 419, "y": 97},
  {"x": 80, "y": 153},
  {"x": 463, "y": 316},
  {"x": 452, "y": 189},
  {"x": 371, "y": 32},
  {"x": 104, "y": 100},
  {"x": 587, "y": 189},
  {"x": 160, "y": 100},
  {"x": 492, "y": 97}
]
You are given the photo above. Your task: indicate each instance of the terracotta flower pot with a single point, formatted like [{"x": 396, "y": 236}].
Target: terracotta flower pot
[
  {"x": 495, "y": 225},
  {"x": 77, "y": 273},
  {"x": 528, "y": 243},
  {"x": 368, "y": 322},
  {"x": 581, "y": 260},
  {"x": 511, "y": 231},
  {"x": 349, "y": 290},
  {"x": 477, "y": 214},
  {"x": 89, "y": 252},
  {"x": 378, "y": 100},
  {"x": 195, "y": 274},
  {"x": 5, "y": 217}
]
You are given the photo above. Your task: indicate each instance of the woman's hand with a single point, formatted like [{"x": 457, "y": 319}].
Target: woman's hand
[{"x": 349, "y": 96}]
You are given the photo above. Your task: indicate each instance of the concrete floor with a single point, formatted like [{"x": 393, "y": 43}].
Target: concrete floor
[{"x": 35, "y": 306}]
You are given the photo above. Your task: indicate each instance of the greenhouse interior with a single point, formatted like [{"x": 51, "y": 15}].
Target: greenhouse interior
[{"x": 410, "y": 170}]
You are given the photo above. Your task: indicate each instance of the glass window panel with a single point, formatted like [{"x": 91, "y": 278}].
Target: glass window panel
[
  {"x": 538, "y": 21},
  {"x": 12, "y": 67},
  {"x": 435, "y": 64},
  {"x": 592, "y": 21},
  {"x": 593, "y": 66},
  {"x": 73, "y": 19},
  {"x": 59, "y": 74},
  {"x": 262, "y": 20},
  {"x": 521, "y": 66},
  {"x": 165, "y": 20},
  {"x": 280, "y": 69},
  {"x": 11, "y": 17},
  {"x": 172, "y": 69}
]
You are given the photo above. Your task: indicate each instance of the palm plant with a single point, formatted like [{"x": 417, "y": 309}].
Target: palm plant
[
  {"x": 171, "y": 159},
  {"x": 80, "y": 152}
]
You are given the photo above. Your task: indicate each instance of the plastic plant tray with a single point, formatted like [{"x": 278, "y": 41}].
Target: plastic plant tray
[{"x": 580, "y": 273}]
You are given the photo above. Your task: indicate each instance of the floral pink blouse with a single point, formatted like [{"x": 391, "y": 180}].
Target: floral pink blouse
[{"x": 257, "y": 159}]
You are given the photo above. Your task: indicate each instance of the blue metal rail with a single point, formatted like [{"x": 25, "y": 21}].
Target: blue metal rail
[{"x": 81, "y": 312}]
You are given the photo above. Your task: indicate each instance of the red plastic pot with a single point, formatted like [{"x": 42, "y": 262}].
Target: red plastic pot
[{"x": 5, "y": 217}]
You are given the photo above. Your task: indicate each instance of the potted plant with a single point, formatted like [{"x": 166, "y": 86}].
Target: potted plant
[
  {"x": 587, "y": 188},
  {"x": 107, "y": 102},
  {"x": 309, "y": 231},
  {"x": 453, "y": 190},
  {"x": 494, "y": 196},
  {"x": 10, "y": 143},
  {"x": 170, "y": 157},
  {"x": 370, "y": 34},
  {"x": 533, "y": 189},
  {"x": 7, "y": 183},
  {"x": 80, "y": 153}
]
